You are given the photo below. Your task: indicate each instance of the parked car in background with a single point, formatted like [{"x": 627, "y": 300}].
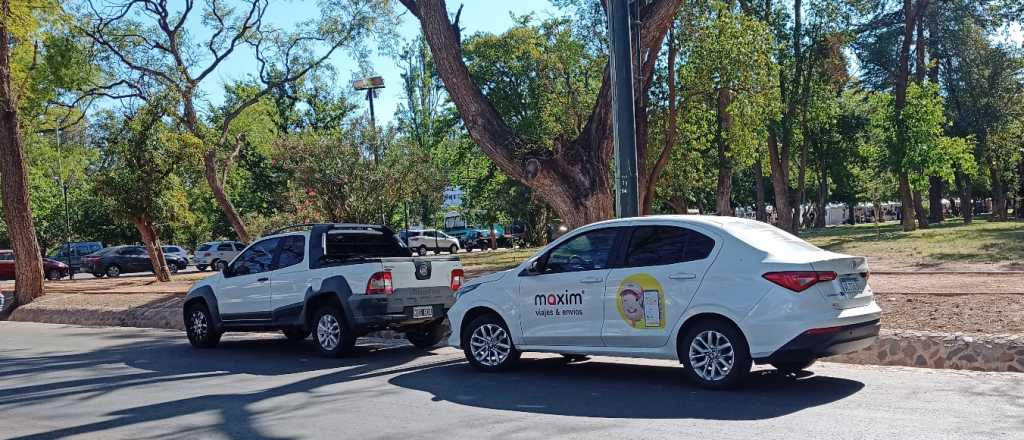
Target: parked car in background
[
  {"x": 52, "y": 269},
  {"x": 71, "y": 253},
  {"x": 217, "y": 254},
  {"x": 116, "y": 260},
  {"x": 177, "y": 251},
  {"x": 431, "y": 239}
]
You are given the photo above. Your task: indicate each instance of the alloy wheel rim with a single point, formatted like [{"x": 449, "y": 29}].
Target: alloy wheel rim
[
  {"x": 199, "y": 325},
  {"x": 328, "y": 332},
  {"x": 490, "y": 344},
  {"x": 711, "y": 355},
  {"x": 113, "y": 271}
]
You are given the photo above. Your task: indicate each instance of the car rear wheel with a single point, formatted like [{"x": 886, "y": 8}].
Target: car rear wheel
[
  {"x": 173, "y": 268},
  {"x": 422, "y": 251},
  {"x": 199, "y": 327},
  {"x": 332, "y": 335},
  {"x": 453, "y": 249},
  {"x": 53, "y": 274},
  {"x": 793, "y": 367},
  {"x": 427, "y": 336},
  {"x": 201, "y": 267},
  {"x": 113, "y": 271},
  {"x": 488, "y": 345},
  {"x": 295, "y": 334},
  {"x": 715, "y": 355},
  {"x": 98, "y": 274}
]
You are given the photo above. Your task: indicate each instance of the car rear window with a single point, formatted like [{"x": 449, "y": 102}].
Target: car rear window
[
  {"x": 768, "y": 238},
  {"x": 363, "y": 244}
]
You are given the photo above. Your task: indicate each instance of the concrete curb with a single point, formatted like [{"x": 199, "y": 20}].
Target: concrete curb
[{"x": 909, "y": 348}]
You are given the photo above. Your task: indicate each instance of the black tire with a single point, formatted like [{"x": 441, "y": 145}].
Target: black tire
[
  {"x": 726, "y": 344},
  {"x": 453, "y": 249},
  {"x": 199, "y": 327},
  {"x": 98, "y": 275},
  {"x": 427, "y": 336},
  {"x": 793, "y": 367},
  {"x": 422, "y": 250},
  {"x": 53, "y": 274},
  {"x": 201, "y": 268},
  {"x": 113, "y": 271},
  {"x": 173, "y": 268},
  {"x": 295, "y": 334},
  {"x": 490, "y": 354},
  {"x": 334, "y": 324}
]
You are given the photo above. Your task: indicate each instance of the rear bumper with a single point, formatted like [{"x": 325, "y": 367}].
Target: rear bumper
[
  {"x": 380, "y": 312},
  {"x": 814, "y": 344}
]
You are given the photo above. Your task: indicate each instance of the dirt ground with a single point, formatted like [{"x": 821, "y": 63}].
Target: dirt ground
[{"x": 992, "y": 313}]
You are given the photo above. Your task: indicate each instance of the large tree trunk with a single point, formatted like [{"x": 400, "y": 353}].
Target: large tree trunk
[
  {"x": 819, "y": 220},
  {"x": 573, "y": 179},
  {"x": 922, "y": 215},
  {"x": 1020, "y": 188},
  {"x": 935, "y": 208},
  {"x": 152, "y": 243},
  {"x": 963, "y": 183},
  {"x": 221, "y": 196},
  {"x": 998, "y": 191},
  {"x": 779, "y": 162},
  {"x": 761, "y": 214},
  {"x": 28, "y": 263},
  {"x": 907, "y": 203},
  {"x": 670, "y": 131},
  {"x": 723, "y": 194}
]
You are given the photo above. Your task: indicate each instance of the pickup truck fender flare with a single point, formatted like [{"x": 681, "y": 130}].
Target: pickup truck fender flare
[
  {"x": 336, "y": 286},
  {"x": 205, "y": 294}
]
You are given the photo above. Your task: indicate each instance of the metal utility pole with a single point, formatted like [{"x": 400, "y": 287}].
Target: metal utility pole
[{"x": 627, "y": 203}]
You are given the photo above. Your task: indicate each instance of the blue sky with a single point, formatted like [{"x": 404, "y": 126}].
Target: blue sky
[{"x": 477, "y": 16}]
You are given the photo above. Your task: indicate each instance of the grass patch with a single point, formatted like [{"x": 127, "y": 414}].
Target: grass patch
[
  {"x": 983, "y": 241},
  {"x": 496, "y": 260}
]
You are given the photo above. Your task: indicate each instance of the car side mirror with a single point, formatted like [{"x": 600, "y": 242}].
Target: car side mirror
[
  {"x": 534, "y": 268},
  {"x": 226, "y": 270}
]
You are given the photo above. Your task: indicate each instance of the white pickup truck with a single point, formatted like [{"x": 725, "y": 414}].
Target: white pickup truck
[{"x": 338, "y": 281}]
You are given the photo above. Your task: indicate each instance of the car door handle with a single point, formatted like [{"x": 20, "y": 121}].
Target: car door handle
[
  {"x": 683, "y": 276},
  {"x": 262, "y": 279},
  {"x": 591, "y": 280}
]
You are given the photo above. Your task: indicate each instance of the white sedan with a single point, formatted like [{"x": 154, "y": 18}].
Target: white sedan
[{"x": 716, "y": 293}]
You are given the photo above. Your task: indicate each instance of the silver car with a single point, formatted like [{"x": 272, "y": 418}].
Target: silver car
[
  {"x": 217, "y": 254},
  {"x": 173, "y": 250}
]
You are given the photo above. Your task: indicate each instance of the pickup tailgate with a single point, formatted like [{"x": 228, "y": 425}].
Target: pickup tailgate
[{"x": 421, "y": 282}]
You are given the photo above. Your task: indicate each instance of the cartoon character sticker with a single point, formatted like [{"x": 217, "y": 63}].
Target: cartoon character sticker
[{"x": 641, "y": 302}]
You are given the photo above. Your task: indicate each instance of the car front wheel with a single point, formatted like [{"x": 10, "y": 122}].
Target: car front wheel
[
  {"x": 488, "y": 345},
  {"x": 199, "y": 327},
  {"x": 53, "y": 274},
  {"x": 715, "y": 355},
  {"x": 453, "y": 249},
  {"x": 200, "y": 268},
  {"x": 113, "y": 271},
  {"x": 422, "y": 251},
  {"x": 332, "y": 335}
]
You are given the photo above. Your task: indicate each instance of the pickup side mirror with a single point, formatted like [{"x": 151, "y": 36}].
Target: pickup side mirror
[{"x": 227, "y": 270}]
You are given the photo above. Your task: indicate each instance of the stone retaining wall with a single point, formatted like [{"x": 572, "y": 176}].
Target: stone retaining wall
[{"x": 942, "y": 350}]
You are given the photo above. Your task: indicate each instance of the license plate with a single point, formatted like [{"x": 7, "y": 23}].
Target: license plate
[
  {"x": 850, "y": 285},
  {"x": 423, "y": 312}
]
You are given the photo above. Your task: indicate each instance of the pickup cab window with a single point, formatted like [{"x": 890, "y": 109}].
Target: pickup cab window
[
  {"x": 344, "y": 245},
  {"x": 257, "y": 259}
]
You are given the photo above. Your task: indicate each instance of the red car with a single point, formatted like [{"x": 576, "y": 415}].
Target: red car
[{"x": 53, "y": 269}]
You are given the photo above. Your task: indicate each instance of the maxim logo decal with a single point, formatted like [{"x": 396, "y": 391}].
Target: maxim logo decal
[{"x": 560, "y": 299}]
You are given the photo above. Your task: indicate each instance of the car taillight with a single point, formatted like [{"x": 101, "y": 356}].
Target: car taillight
[
  {"x": 458, "y": 276},
  {"x": 798, "y": 281},
  {"x": 206, "y": 254},
  {"x": 380, "y": 283}
]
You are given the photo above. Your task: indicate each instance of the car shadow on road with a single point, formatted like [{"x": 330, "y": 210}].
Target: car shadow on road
[
  {"x": 156, "y": 361},
  {"x": 622, "y": 390}
]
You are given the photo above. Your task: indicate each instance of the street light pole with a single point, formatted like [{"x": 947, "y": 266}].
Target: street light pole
[{"x": 627, "y": 202}]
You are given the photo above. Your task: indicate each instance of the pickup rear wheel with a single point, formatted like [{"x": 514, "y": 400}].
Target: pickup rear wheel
[
  {"x": 332, "y": 335},
  {"x": 428, "y": 335},
  {"x": 488, "y": 345}
]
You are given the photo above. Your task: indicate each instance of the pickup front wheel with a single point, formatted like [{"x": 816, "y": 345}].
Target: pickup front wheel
[
  {"x": 488, "y": 344},
  {"x": 199, "y": 327},
  {"x": 333, "y": 338}
]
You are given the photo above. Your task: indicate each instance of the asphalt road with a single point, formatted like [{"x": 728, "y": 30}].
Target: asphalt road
[{"x": 63, "y": 381}]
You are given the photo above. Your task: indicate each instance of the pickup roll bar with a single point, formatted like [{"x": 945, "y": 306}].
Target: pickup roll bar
[{"x": 332, "y": 226}]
